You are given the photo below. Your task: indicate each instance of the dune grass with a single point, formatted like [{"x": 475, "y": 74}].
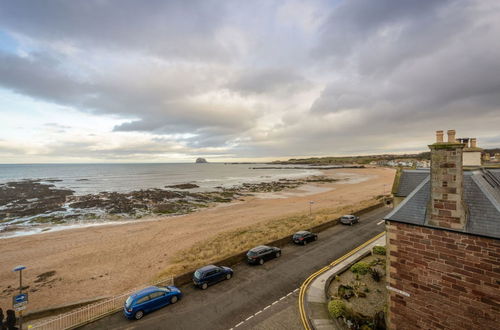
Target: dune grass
[{"x": 239, "y": 240}]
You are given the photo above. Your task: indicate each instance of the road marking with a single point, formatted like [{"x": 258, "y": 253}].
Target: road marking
[
  {"x": 289, "y": 294},
  {"x": 296, "y": 290},
  {"x": 237, "y": 325},
  {"x": 282, "y": 298},
  {"x": 274, "y": 303},
  {"x": 257, "y": 313},
  {"x": 248, "y": 318},
  {"x": 381, "y": 222},
  {"x": 266, "y": 307}
]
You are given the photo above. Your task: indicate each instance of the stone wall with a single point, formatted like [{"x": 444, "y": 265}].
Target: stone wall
[{"x": 453, "y": 279}]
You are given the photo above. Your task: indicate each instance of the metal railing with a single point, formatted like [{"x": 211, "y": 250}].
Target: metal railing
[{"x": 91, "y": 312}]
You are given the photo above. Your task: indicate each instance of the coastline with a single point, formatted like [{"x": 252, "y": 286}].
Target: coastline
[{"x": 105, "y": 260}]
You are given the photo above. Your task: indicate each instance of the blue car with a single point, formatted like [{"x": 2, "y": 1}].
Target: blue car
[
  {"x": 150, "y": 299},
  {"x": 211, "y": 274}
]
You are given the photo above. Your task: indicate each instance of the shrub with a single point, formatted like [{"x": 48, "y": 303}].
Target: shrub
[
  {"x": 375, "y": 274},
  {"x": 336, "y": 308},
  {"x": 379, "y": 250},
  {"x": 360, "y": 268}
]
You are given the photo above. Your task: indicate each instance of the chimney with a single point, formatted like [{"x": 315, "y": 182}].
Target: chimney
[
  {"x": 447, "y": 209},
  {"x": 439, "y": 136},
  {"x": 473, "y": 143},
  {"x": 451, "y": 136}
]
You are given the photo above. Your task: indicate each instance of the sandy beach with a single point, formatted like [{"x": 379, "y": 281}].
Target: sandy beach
[{"x": 77, "y": 264}]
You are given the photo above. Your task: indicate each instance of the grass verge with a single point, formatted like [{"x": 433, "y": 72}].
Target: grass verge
[{"x": 239, "y": 240}]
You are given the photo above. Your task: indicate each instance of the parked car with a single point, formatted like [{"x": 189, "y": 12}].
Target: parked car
[
  {"x": 349, "y": 219},
  {"x": 262, "y": 253},
  {"x": 150, "y": 299},
  {"x": 303, "y": 237},
  {"x": 208, "y": 275}
]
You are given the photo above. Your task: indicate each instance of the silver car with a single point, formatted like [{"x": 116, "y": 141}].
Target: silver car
[{"x": 349, "y": 219}]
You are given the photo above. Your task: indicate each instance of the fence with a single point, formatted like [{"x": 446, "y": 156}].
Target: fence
[{"x": 90, "y": 313}]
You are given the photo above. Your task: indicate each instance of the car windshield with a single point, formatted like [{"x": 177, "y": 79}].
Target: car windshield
[
  {"x": 346, "y": 217},
  {"x": 252, "y": 253},
  {"x": 297, "y": 235},
  {"x": 197, "y": 274},
  {"x": 165, "y": 289},
  {"x": 129, "y": 301}
]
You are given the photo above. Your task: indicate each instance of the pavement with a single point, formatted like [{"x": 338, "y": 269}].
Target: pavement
[
  {"x": 257, "y": 297},
  {"x": 312, "y": 296}
]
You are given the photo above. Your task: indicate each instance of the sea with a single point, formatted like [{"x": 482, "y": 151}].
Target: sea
[{"x": 95, "y": 178}]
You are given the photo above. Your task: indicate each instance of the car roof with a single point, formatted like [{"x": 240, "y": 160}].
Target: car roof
[
  {"x": 145, "y": 291},
  {"x": 302, "y": 232},
  {"x": 259, "y": 248},
  {"x": 206, "y": 268},
  {"x": 348, "y": 215}
]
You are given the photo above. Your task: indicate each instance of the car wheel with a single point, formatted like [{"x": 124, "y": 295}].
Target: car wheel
[
  {"x": 278, "y": 254},
  {"x": 228, "y": 276},
  {"x": 174, "y": 299},
  {"x": 138, "y": 315},
  {"x": 261, "y": 261},
  {"x": 204, "y": 286}
]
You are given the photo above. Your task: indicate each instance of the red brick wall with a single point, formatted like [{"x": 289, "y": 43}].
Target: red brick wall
[{"x": 453, "y": 279}]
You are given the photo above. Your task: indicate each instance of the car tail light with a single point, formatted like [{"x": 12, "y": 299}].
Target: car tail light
[
  {"x": 129, "y": 310},
  {"x": 301, "y": 238}
]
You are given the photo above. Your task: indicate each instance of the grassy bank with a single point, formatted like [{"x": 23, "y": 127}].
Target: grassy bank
[{"x": 236, "y": 241}]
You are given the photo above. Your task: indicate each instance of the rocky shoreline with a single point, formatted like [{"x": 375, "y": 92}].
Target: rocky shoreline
[{"x": 29, "y": 203}]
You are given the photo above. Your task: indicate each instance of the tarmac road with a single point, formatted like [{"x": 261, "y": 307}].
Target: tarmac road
[{"x": 229, "y": 304}]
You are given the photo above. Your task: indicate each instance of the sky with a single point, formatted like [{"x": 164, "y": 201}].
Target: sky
[{"x": 170, "y": 81}]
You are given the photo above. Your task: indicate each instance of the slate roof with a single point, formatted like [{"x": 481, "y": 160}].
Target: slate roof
[
  {"x": 481, "y": 196},
  {"x": 409, "y": 180}
]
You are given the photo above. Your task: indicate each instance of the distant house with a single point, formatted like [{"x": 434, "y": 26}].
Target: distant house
[{"x": 443, "y": 242}]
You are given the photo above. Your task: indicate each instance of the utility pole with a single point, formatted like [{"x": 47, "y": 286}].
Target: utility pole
[{"x": 310, "y": 208}]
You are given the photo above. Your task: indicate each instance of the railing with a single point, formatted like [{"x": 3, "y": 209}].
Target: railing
[{"x": 90, "y": 313}]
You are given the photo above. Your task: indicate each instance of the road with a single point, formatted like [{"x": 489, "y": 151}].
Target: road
[{"x": 243, "y": 301}]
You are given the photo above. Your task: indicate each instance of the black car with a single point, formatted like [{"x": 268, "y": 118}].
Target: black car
[
  {"x": 349, "y": 219},
  {"x": 262, "y": 253},
  {"x": 303, "y": 237},
  {"x": 211, "y": 274}
]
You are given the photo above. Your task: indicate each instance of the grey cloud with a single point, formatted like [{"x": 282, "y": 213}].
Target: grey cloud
[
  {"x": 169, "y": 28},
  {"x": 268, "y": 81}
]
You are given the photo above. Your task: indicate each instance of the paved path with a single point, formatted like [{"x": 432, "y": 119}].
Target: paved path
[{"x": 236, "y": 303}]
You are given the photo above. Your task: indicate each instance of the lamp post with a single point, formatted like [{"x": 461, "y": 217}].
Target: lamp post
[
  {"x": 20, "y": 270},
  {"x": 310, "y": 208}
]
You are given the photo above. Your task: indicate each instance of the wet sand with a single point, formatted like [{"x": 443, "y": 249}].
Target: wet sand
[{"x": 111, "y": 259}]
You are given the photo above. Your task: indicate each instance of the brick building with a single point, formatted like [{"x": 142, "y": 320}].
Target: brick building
[{"x": 443, "y": 244}]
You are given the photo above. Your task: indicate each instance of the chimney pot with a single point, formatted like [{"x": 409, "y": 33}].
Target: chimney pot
[
  {"x": 473, "y": 143},
  {"x": 439, "y": 136},
  {"x": 451, "y": 136}
]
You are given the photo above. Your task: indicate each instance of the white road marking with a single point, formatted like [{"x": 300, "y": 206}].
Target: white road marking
[
  {"x": 381, "y": 222},
  {"x": 269, "y": 306}
]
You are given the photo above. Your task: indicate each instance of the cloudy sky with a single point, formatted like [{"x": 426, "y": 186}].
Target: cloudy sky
[{"x": 169, "y": 81}]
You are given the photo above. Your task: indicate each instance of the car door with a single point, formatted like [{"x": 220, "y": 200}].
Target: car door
[
  {"x": 308, "y": 237},
  {"x": 210, "y": 276},
  {"x": 157, "y": 300}
]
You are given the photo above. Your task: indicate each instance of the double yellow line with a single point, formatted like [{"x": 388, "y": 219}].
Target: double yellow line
[{"x": 303, "y": 287}]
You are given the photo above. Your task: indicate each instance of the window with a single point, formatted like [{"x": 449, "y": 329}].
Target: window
[
  {"x": 143, "y": 299},
  {"x": 156, "y": 294}
]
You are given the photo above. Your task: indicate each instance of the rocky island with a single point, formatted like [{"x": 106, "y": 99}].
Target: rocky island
[{"x": 200, "y": 160}]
